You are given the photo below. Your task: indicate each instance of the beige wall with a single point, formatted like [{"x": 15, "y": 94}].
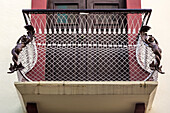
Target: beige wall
[
  {"x": 160, "y": 23},
  {"x": 11, "y": 28}
]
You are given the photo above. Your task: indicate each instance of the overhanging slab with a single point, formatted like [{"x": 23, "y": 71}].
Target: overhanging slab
[{"x": 68, "y": 97}]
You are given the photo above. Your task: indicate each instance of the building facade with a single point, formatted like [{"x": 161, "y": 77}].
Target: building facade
[{"x": 12, "y": 27}]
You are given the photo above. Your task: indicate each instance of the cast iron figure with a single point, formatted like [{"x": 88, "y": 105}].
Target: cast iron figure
[
  {"x": 21, "y": 43},
  {"x": 153, "y": 44}
]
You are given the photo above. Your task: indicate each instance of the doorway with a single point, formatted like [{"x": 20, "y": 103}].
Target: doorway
[
  {"x": 86, "y": 4},
  {"x": 87, "y": 64}
]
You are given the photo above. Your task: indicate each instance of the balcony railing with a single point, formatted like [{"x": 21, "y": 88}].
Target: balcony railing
[{"x": 87, "y": 45}]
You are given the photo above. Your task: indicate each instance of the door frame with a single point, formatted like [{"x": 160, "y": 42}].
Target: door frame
[
  {"x": 80, "y": 2},
  {"x": 90, "y": 3},
  {"x": 42, "y": 4}
]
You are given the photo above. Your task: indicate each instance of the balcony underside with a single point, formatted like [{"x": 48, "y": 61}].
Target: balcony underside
[{"x": 87, "y": 97}]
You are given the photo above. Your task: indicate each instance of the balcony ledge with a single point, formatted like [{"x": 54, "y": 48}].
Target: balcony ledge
[{"x": 74, "y": 96}]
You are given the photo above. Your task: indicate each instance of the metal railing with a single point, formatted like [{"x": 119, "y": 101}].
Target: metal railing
[{"x": 87, "y": 45}]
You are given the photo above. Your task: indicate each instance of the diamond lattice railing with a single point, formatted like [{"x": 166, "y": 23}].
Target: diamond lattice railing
[{"x": 87, "y": 45}]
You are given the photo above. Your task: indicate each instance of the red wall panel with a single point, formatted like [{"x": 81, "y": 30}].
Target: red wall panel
[{"x": 38, "y": 72}]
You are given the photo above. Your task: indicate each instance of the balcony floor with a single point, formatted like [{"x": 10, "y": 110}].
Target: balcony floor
[{"x": 87, "y": 97}]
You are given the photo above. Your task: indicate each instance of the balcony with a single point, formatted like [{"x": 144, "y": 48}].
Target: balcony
[
  {"x": 87, "y": 45},
  {"x": 87, "y": 61}
]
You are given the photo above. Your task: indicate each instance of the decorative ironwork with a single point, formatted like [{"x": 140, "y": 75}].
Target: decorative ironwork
[
  {"x": 85, "y": 45},
  {"x": 153, "y": 44},
  {"x": 21, "y": 43}
]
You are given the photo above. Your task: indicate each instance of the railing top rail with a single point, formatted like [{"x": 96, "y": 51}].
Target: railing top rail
[{"x": 39, "y": 11}]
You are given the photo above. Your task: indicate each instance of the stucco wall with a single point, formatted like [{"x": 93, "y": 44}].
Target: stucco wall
[
  {"x": 11, "y": 28},
  {"x": 160, "y": 23}
]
